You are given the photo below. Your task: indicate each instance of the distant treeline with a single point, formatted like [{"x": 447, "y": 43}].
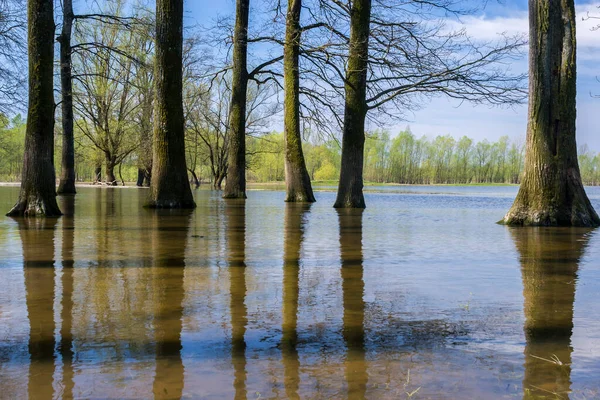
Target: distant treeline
[{"x": 404, "y": 159}]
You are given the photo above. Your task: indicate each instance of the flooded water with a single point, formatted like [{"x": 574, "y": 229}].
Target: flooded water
[{"x": 420, "y": 296}]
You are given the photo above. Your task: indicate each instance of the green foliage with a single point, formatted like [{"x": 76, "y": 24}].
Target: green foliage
[{"x": 12, "y": 147}]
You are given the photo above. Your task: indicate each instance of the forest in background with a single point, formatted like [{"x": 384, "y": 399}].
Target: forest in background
[{"x": 402, "y": 158}]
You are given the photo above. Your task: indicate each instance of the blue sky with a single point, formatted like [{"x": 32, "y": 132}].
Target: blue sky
[{"x": 442, "y": 116}]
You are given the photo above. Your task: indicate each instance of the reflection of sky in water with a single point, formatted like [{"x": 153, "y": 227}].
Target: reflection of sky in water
[{"x": 443, "y": 296}]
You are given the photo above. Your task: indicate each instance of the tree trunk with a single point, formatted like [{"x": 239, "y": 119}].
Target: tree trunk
[
  {"x": 98, "y": 174},
  {"x": 235, "y": 186},
  {"x": 170, "y": 187},
  {"x": 67, "y": 175},
  {"x": 350, "y": 188},
  {"x": 195, "y": 178},
  {"x": 111, "y": 180},
  {"x": 38, "y": 193},
  {"x": 551, "y": 192},
  {"x": 140, "y": 177},
  {"x": 297, "y": 180}
]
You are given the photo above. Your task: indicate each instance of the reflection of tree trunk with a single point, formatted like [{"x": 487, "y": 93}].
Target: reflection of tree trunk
[
  {"x": 236, "y": 255},
  {"x": 294, "y": 234},
  {"x": 169, "y": 239},
  {"x": 353, "y": 286},
  {"x": 67, "y": 204},
  {"x": 549, "y": 263},
  {"x": 37, "y": 238}
]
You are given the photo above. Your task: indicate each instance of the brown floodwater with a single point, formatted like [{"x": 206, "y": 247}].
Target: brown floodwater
[{"x": 420, "y": 296}]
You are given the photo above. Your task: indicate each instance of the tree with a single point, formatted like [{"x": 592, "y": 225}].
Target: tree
[
  {"x": 297, "y": 180},
  {"x": 235, "y": 186},
  {"x": 38, "y": 194},
  {"x": 67, "y": 175},
  {"x": 551, "y": 191},
  {"x": 170, "y": 187},
  {"x": 355, "y": 112},
  {"x": 105, "y": 96}
]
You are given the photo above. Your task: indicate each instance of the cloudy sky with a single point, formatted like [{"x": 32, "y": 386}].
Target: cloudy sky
[{"x": 442, "y": 116}]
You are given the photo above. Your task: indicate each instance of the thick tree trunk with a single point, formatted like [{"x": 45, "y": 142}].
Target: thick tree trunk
[
  {"x": 111, "y": 180},
  {"x": 170, "y": 186},
  {"x": 140, "y": 177},
  {"x": 38, "y": 193},
  {"x": 551, "y": 192},
  {"x": 549, "y": 261},
  {"x": 235, "y": 186},
  {"x": 350, "y": 194},
  {"x": 67, "y": 176},
  {"x": 297, "y": 180}
]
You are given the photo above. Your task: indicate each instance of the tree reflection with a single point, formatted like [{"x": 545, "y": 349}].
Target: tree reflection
[
  {"x": 235, "y": 212},
  {"x": 37, "y": 238},
  {"x": 169, "y": 239},
  {"x": 295, "y": 220},
  {"x": 549, "y": 263},
  {"x": 353, "y": 286},
  {"x": 67, "y": 205}
]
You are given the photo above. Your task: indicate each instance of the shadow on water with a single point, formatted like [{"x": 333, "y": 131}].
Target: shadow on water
[
  {"x": 353, "y": 288},
  {"x": 235, "y": 216},
  {"x": 295, "y": 218},
  {"x": 38, "y": 241},
  {"x": 550, "y": 260},
  {"x": 169, "y": 240}
]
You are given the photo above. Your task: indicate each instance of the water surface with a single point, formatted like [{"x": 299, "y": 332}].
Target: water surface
[{"x": 420, "y": 295}]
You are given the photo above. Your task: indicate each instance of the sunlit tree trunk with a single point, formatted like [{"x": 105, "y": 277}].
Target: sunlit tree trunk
[
  {"x": 297, "y": 180},
  {"x": 67, "y": 175},
  {"x": 551, "y": 192},
  {"x": 170, "y": 187},
  {"x": 235, "y": 185},
  {"x": 38, "y": 193},
  {"x": 350, "y": 194}
]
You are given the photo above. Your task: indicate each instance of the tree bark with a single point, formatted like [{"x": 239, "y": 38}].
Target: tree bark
[
  {"x": 170, "y": 187},
  {"x": 551, "y": 192},
  {"x": 67, "y": 175},
  {"x": 297, "y": 180},
  {"x": 350, "y": 188},
  {"x": 111, "y": 180},
  {"x": 235, "y": 185},
  {"x": 38, "y": 193}
]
